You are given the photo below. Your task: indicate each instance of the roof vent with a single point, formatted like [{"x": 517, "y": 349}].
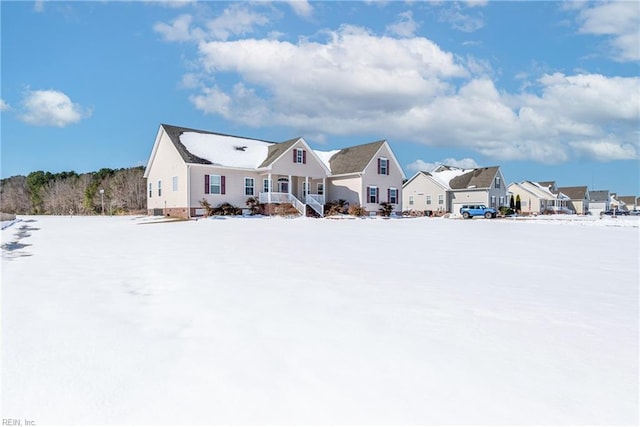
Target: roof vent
[{"x": 241, "y": 148}]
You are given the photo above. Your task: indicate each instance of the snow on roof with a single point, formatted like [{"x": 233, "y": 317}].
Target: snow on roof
[
  {"x": 325, "y": 156},
  {"x": 226, "y": 150},
  {"x": 445, "y": 174}
]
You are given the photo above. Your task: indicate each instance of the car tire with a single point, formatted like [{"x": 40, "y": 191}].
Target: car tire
[
  {"x": 466, "y": 215},
  {"x": 488, "y": 215}
]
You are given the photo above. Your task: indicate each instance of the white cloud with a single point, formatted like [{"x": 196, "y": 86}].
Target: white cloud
[
  {"x": 38, "y": 6},
  {"x": 179, "y": 30},
  {"x": 174, "y": 4},
  {"x": 620, "y": 20},
  {"x": 460, "y": 20},
  {"x": 347, "y": 84},
  {"x": 238, "y": 19},
  {"x": 4, "y": 106},
  {"x": 51, "y": 108},
  {"x": 421, "y": 165},
  {"x": 405, "y": 26},
  {"x": 606, "y": 150},
  {"x": 301, "y": 8}
]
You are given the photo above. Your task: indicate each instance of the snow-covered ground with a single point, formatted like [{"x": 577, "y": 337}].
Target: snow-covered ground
[{"x": 273, "y": 321}]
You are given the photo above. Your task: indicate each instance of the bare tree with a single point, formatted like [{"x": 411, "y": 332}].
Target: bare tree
[{"x": 14, "y": 195}]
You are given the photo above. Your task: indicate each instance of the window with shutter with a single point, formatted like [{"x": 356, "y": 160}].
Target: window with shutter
[{"x": 383, "y": 166}]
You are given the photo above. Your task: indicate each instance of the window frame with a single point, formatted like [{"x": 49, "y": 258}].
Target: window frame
[
  {"x": 383, "y": 166},
  {"x": 393, "y": 196},
  {"x": 252, "y": 186},
  {"x": 372, "y": 196},
  {"x": 211, "y": 184}
]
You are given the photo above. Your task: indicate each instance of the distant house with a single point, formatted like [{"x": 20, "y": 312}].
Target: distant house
[
  {"x": 631, "y": 202},
  {"x": 616, "y": 203},
  {"x": 536, "y": 198},
  {"x": 599, "y": 201},
  {"x": 187, "y": 166},
  {"x": 447, "y": 188},
  {"x": 579, "y": 198}
]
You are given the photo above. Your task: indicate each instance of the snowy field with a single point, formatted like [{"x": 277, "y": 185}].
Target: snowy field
[{"x": 296, "y": 322}]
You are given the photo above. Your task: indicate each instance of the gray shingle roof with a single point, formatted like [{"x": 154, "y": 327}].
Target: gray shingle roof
[
  {"x": 574, "y": 193},
  {"x": 477, "y": 178},
  {"x": 354, "y": 159},
  {"x": 277, "y": 150},
  {"x": 174, "y": 133},
  {"x": 628, "y": 200},
  {"x": 599, "y": 195}
]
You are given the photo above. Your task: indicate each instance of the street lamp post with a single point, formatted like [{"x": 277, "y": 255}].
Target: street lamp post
[{"x": 102, "y": 200}]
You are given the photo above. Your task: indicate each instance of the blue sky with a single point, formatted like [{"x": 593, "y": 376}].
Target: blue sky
[{"x": 546, "y": 90}]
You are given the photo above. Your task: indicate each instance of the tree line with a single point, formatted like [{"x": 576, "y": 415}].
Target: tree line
[{"x": 67, "y": 193}]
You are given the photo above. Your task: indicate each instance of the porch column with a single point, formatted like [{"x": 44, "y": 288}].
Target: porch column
[
  {"x": 306, "y": 186},
  {"x": 269, "y": 189},
  {"x": 324, "y": 188},
  {"x": 289, "y": 186}
]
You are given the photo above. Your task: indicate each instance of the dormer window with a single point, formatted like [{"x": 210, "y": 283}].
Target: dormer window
[{"x": 383, "y": 166}]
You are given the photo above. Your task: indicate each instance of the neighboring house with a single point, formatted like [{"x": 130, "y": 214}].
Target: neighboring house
[
  {"x": 578, "y": 198},
  {"x": 631, "y": 202},
  {"x": 187, "y": 166},
  {"x": 616, "y": 203},
  {"x": 447, "y": 188},
  {"x": 424, "y": 193},
  {"x": 599, "y": 201},
  {"x": 536, "y": 198},
  {"x": 366, "y": 174}
]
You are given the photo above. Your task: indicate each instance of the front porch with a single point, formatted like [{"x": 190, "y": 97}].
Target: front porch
[{"x": 294, "y": 190}]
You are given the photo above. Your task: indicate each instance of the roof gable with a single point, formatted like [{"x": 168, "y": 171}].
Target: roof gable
[
  {"x": 575, "y": 193},
  {"x": 276, "y": 151},
  {"x": 354, "y": 159}
]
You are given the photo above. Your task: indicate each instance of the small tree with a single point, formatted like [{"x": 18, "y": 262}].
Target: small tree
[
  {"x": 356, "y": 210},
  {"x": 336, "y": 207},
  {"x": 207, "y": 207},
  {"x": 386, "y": 208},
  {"x": 518, "y": 204},
  {"x": 227, "y": 208},
  {"x": 254, "y": 205},
  {"x": 512, "y": 203}
]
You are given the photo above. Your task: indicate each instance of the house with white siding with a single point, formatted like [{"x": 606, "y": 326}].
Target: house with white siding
[
  {"x": 538, "y": 198},
  {"x": 187, "y": 166},
  {"x": 448, "y": 188}
]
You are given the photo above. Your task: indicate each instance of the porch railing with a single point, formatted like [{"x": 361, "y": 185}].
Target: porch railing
[
  {"x": 283, "y": 198},
  {"x": 275, "y": 198},
  {"x": 316, "y": 201}
]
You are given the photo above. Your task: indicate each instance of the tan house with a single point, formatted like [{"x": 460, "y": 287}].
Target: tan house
[
  {"x": 448, "y": 188},
  {"x": 578, "y": 198},
  {"x": 536, "y": 198},
  {"x": 187, "y": 166}
]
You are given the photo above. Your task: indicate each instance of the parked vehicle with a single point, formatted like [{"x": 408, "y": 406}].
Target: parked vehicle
[
  {"x": 469, "y": 211},
  {"x": 634, "y": 212},
  {"x": 616, "y": 212}
]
